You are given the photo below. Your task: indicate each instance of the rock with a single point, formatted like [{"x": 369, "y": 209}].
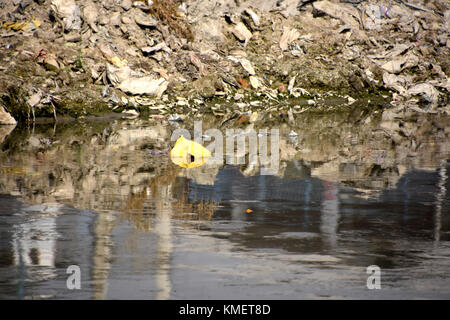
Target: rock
[
  {"x": 209, "y": 30},
  {"x": 5, "y": 131},
  {"x": 156, "y": 48},
  {"x": 6, "y": 118},
  {"x": 241, "y": 32},
  {"x": 72, "y": 38},
  {"x": 103, "y": 19},
  {"x": 144, "y": 86},
  {"x": 206, "y": 86},
  {"x": 144, "y": 20},
  {"x": 69, "y": 12},
  {"x": 105, "y": 49},
  {"x": 347, "y": 14},
  {"x": 51, "y": 64},
  {"x": 356, "y": 82},
  {"x": 390, "y": 115},
  {"x": 90, "y": 15},
  {"x": 126, "y": 20},
  {"x": 350, "y": 100},
  {"x": 115, "y": 19},
  {"x": 126, "y": 4}
]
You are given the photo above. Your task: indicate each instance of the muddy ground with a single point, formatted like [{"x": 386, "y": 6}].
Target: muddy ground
[{"x": 73, "y": 58}]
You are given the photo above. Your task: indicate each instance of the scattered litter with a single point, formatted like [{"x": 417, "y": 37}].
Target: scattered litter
[
  {"x": 117, "y": 75},
  {"x": 160, "y": 46},
  {"x": 349, "y": 15},
  {"x": 144, "y": 86},
  {"x": 34, "y": 99},
  {"x": 291, "y": 85},
  {"x": 105, "y": 91},
  {"x": 247, "y": 65},
  {"x": 252, "y": 15},
  {"x": 23, "y": 25},
  {"x": 69, "y": 12},
  {"x": 289, "y": 35},
  {"x": 189, "y": 154},
  {"x": 427, "y": 91},
  {"x": 399, "y": 64},
  {"x": 175, "y": 118},
  {"x": 241, "y": 32},
  {"x": 118, "y": 62},
  {"x": 395, "y": 82},
  {"x": 254, "y": 81}
]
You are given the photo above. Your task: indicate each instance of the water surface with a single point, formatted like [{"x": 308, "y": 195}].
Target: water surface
[{"x": 348, "y": 194}]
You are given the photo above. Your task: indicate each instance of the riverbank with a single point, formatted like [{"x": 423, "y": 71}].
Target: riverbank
[{"x": 72, "y": 58}]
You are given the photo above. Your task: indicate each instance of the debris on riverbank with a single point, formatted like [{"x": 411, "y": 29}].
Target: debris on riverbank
[{"x": 78, "y": 58}]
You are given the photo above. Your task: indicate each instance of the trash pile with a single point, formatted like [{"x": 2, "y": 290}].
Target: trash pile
[{"x": 79, "y": 58}]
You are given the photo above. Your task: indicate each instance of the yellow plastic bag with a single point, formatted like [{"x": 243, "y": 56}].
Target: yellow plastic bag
[
  {"x": 118, "y": 62},
  {"x": 189, "y": 154},
  {"x": 23, "y": 25}
]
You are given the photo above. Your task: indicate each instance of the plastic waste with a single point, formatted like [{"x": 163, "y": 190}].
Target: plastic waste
[
  {"x": 289, "y": 35},
  {"x": 144, "y": 85},
  {"x": 241, "y": 32},
  {"x": 189, "y": 154},
  {"x": 22, "y": 25},
  {"x": 69, "y": 12}
]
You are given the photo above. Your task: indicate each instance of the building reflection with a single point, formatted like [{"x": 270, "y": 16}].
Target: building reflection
[
  {"x": 102, "y": 254},
  {"x": 440, "y": 197},
  {"x": 330, "y": 212},
  {"x": 163, "y": 227}
]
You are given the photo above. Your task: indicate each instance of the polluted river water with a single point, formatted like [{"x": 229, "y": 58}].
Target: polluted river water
[{"x": 348, "y": 195}]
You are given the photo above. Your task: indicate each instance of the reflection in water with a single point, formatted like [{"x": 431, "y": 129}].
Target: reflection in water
[
  {"x": 163, "y": 228},
  {"x": 330, "y": 212},
  {"x": 34, "y": 247},
  {"x": 106, "y": 197},
  {"x": 34, "y": 242},
  {"x": 439, "y": 200},
  {"x": 102, "y": 254}
]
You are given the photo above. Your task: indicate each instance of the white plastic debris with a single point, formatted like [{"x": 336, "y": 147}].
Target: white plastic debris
[
  {"x": 247, "y": 65},
  {"x": 69, "y": 12},
  {"x": 144, "y": 86},
  {"x": 289, "y": 35},
  {"x": 242, "y": 33}
]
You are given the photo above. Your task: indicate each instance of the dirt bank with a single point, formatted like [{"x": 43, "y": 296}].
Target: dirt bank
[{"x": 80, "y": 58}]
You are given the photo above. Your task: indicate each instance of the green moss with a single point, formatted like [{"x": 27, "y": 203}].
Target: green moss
[{"x": 79, "y": 107}]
